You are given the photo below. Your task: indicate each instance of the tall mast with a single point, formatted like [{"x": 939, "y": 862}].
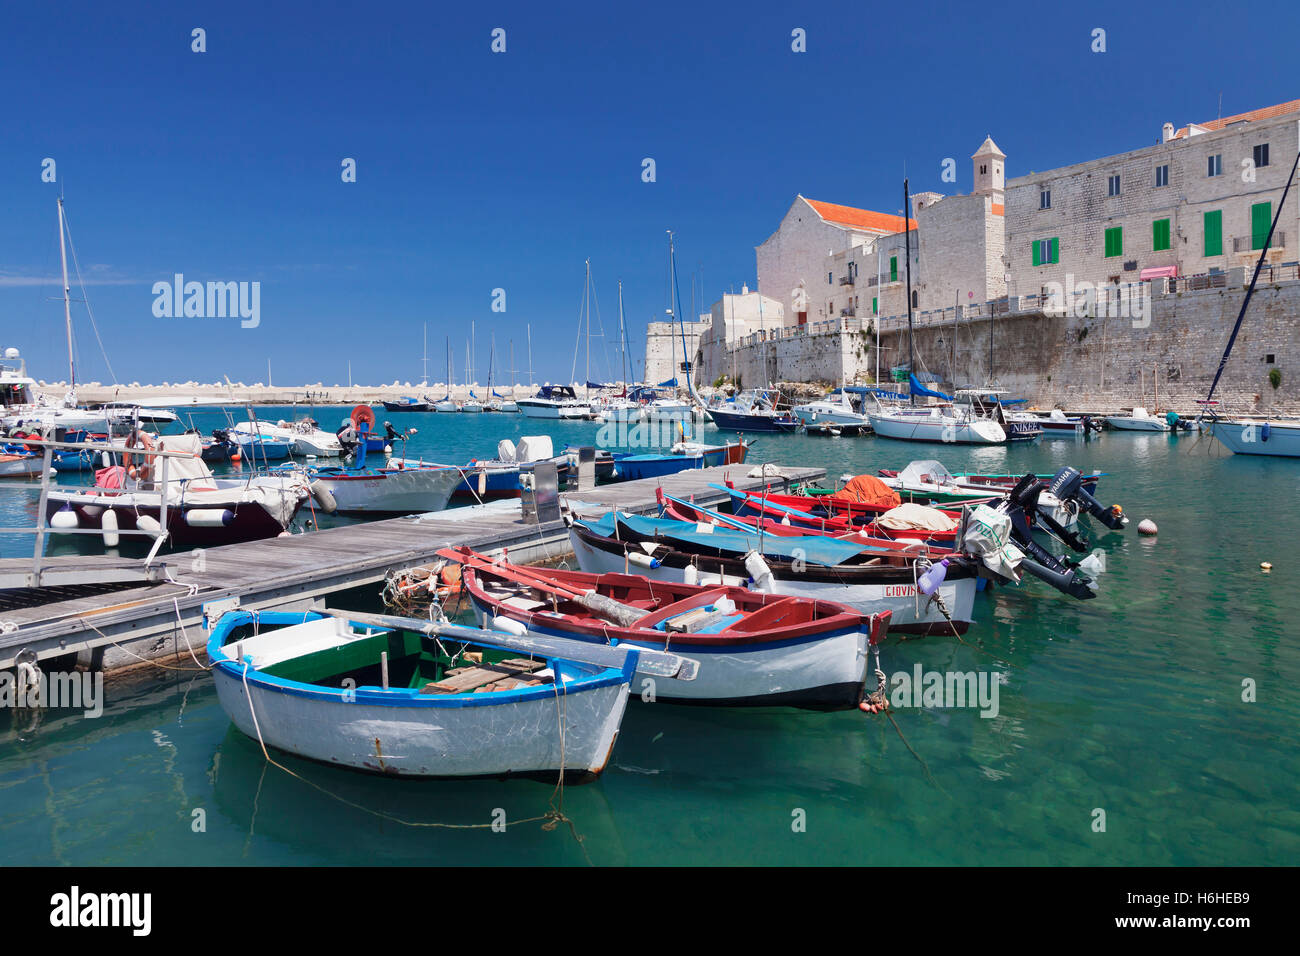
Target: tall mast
[
  {"x": 424, "y": 375},
  {"x": 67, "y": 309},
  {"x": 529, "y": 327},
  {"x": 622, "y": 353},
  {"x": 586, "y": 297},
  {"x": 907, "y": 254}
]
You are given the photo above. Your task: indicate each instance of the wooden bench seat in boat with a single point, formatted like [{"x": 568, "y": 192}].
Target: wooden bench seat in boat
[{"x": 479, "y": 677}]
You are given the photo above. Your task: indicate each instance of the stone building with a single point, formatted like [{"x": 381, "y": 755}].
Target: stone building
[
  {"x": 1199, "y": 202},
  {"x": 663, "y": 348},
  {"x": 733, "y": 318},
  {"x": 794, "y": 263}
]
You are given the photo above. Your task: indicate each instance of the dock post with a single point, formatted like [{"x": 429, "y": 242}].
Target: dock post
[{"x": 41, "y": 523}]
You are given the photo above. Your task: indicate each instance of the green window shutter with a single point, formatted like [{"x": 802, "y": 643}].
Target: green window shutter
[
  {"x": 1261, "y": 219},
  {"x": 1054, "y": 250},
  {"x": 1114, "y": 242},
  {"x": 1214, "y": 233},
  {"x": 1038, "y": 260},
  {"x": 893, "y": 268},
  {"x": 1160, "y": 235},
  {"x": 875, "y": 306}
]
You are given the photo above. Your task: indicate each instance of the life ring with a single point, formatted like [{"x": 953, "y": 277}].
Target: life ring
[
  {"x": 363, "y": 413},
  {"x": 142, "y": 441}
]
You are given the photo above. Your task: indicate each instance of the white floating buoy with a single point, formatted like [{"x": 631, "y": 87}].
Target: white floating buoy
[
  {"x": 1146, "y": 526},
  {"x": 63, "y": 519},
  {"x": 1265, "y": 566},
  {"x": 109, "y": 523},
  {"x": 147, "y": 523}
]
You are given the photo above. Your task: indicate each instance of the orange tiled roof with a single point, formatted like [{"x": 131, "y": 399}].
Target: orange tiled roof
[
  {"x": 1268, "y": 112},
  {"x": 999, "y": 209},
  {"x": 879, "y": 222}
]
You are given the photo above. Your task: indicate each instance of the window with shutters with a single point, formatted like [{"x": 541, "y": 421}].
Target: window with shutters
[
  {"x": 1261, "y": 219},
  {"x": 1114, "y": 242},
  {"x": 1112, "y": 185},
  {"x": 1160, "y": 235},
  {"x": 1045, "y": 199},
  {"x": 1214, "y": 233},
  {"x": 893, "y": 268},
  {"x": 875, "y": 306},
  {"x": 1046, "y": 251}
]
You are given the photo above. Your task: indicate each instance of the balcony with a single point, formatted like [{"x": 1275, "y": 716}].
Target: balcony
[
  {"x": 846, "y": 280},
  {"x": 1247, "y": 243}
]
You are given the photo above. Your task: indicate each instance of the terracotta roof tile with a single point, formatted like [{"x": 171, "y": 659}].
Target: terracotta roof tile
[
  {"x": 877, "y": 222},
  {"x": 1267, "y": 112}
]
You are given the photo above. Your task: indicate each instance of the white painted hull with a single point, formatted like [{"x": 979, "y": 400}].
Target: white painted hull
[
  {"x": 19, "y": 467},
  {"x": 542, "y": 408},
  {"x": 937, "y": 429},
  {"x": 1247, "y": 438},
  {"x": 817, "y": 413},
  {"x": 900, "y": 599},
  {"x": 448, "y": 737},
  {"x": 830, "y": 669},
  {"x": 411, "y": 491},
  {"x": 1125, "y": 423},
  {"x": 315, "y": 442}
]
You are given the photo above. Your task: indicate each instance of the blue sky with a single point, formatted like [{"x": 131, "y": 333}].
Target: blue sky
[{"x": 478, "y": 171}]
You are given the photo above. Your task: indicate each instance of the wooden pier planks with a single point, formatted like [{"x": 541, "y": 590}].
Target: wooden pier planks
[{"x": 277, "y": 572}]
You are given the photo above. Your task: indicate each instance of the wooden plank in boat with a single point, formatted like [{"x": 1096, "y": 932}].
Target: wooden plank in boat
[{"x": 472, "y": 678}]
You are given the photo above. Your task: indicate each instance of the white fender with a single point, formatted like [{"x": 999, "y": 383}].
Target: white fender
[
  {"x": 109, "y": 523},
  {"x": 147, "y": 523},
  {"x": 64, "y": 519},
  {"x": 209, "y": 518},
  {"x": 509, "y": 626},
  {"x": 324, "y": 497}
]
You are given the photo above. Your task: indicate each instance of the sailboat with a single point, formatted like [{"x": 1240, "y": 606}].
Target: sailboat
[
  {"x": 448, "y": 404},
  {"x": 471, "y": 404},
  {"x": 22, "y": 410},
  {"x": 1274, "y": 437},
  {"x": 619, "y": 408},
  {"x": 508, "y": 404},
  {"x": 560, "y": 401},
  {"x": 409, "y": 403}
]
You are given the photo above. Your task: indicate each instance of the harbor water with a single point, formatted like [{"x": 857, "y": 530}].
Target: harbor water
[{"x": 1152, "y": 725}]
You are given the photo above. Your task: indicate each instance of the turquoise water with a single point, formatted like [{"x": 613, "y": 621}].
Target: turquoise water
[{"x": 1130, "y": 704}]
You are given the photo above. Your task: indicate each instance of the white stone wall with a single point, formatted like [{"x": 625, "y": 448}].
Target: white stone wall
[
  {"x": 794, "y": 257},
  {"x": 1082, "y": 210},
  {"x": 663, "y": 349}
]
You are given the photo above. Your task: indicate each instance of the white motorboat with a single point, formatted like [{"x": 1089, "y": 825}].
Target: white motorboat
[
  {"x": 554, "y": 401},
  {"x": 935, "y": 423},
  {"x": 307, "y": 437},
  {"x": 400, "y": 486},
  {"x": 835, "y": 408},
  {"x": 1140, "y": 420}
]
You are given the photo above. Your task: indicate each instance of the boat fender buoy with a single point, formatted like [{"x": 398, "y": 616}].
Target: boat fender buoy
[
  {"x": 1147, "y": 526},
  {"x": 324, "y": 497},
  {"x": 64, "y": 518},
  {"x": 109, "y": 523},
  {"x": 1265, "y": 566},
  {"x": 209, "y": 518},
  {"x": 1265, "y": 431},
  {"x": 691, "y": 574},
  {"x": 509, "y": 626},
  {"x": 644, "y": 560},
  {"x": 147, "y": 523}
]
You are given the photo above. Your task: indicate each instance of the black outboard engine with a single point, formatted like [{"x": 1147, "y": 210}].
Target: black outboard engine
[
  {"x": 1067, "y": 485},
  {"x": 1022, "y": 507}
]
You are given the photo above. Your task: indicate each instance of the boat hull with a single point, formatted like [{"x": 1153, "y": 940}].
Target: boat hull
[
  {"x": 943, "y": 431},
  {"x": 744, "y": 422},
  {"x": 404, "y": 491},
  {"x": 541, "y": 408},
  {"x": 1124, "y": 423},
  {"x": 1282, "y": 440},
  {"x": 894, "y": 592},
  {"x": 431, "y": 737},
  {"x": 250, "y": 521}
]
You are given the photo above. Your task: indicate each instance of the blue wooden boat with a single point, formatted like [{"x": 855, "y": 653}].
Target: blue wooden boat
[{"x": 684, "y": 456}]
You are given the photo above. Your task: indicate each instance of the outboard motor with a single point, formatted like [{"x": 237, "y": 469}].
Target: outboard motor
[{"x": 1067, "y": 485}]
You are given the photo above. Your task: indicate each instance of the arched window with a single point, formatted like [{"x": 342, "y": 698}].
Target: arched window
[{"x": 914, "y": 299}]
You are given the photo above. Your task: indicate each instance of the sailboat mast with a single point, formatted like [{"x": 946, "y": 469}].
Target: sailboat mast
[
  {"x": 67, "y": 306},
  {"x": 907, "y": 254},
  {"x": 529, "y": 328},
  {"x": 622, "y": 353},
  {"x": 424, "y": 372}
]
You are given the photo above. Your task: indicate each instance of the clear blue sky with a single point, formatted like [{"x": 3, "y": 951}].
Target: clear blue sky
[{"x": 478, "y": 170}]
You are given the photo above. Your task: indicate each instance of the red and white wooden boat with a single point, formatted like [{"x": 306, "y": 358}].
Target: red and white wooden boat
[{"x": 754, "y": 648}]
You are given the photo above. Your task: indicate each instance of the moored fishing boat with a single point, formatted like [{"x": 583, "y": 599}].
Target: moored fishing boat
[
  {"x": 683, "y": 456},
  {"x": 869, "y": 579},
  {"x": 754, "y": 648},
  {"x": 398, "y": 487},
  {"x": 430, "y": 701}
]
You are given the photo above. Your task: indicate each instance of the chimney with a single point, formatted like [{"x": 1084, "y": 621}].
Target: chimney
[{"x": 1168, "y": 131}]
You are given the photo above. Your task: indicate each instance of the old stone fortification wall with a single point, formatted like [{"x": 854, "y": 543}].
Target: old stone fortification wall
[{"x": 1075, "y": 362}]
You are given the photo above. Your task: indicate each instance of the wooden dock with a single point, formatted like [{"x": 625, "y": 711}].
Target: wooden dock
[{"x": 117, "y": 625}]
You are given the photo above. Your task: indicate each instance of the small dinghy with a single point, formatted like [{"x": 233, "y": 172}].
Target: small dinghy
[
  {"x": 404, "y": 697},
  {"x": 755, "y": 648}
]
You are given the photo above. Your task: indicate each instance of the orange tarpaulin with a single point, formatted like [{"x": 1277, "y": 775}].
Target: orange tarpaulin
[{"x": 868, "y": 490}]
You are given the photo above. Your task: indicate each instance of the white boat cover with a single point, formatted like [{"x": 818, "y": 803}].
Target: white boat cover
[
  {"x": 911, "y": 516},
  {"x": 534, "y": 448},
  {"x": 924, "y": 472},
  {"x": 194, "y": 472},
  {"x": 988, "y": 534},
  {"x": 506, "y": 450}
]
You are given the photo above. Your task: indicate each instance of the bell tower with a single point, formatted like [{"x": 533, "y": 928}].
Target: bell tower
[{"x": 990, "y": 170}]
